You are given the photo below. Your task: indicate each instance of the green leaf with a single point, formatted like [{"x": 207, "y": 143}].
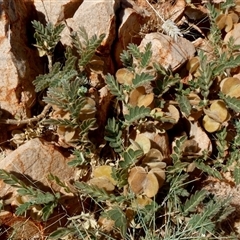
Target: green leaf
[
  {"x": 136, "y": 113},
  {"x": 227, "y": 4},
  {"x": 23, "y": 208},
  {"x": 86, "y": 125},
  {"x": 43, "y": 81},
  {"x": 67, "y": 99},
  {"x": 126, "y": 58},
  {"x": 121, "y": 176},
  {"x": 114, "y": 87},
  {"x": 113, "y": 135},
  {"x": 232, "y": 102},
  {"x": 60, "y": 233},
  {"x": 142, "y": 79},
  {"x": 133, "y": 49},
  {"x": 227, "y": 64},
  {"x": 199, "y": 223},
  {"x": 98, "y": 193},
  {"x": 48, "y": 210},
  {"x": 146, "y": 56},
  {"x": 61, "y": 122},
  {"x": 130, "y": 157},
  {"x": 46, "y": 37},
  {"x": 10, "y": 179},
  {"x": 236, "y": 175},
  {"x": 184, "y": 104},
  {"x": 86, "y": 47},
  {"x": 79, "y": 159},
  {"x": 119, "y": 218},
  {"x": 194, "y": 200},
  {"x": 52, "y": 177},
  {"x": 211, "y": 171},
  {"x": 43, "y": 198},
  {"x": 25, "y": 191},
  {"x": 212, "y": 209}
]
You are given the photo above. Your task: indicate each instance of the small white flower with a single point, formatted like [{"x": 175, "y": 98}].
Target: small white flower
[{"x": 171, "y": 29}]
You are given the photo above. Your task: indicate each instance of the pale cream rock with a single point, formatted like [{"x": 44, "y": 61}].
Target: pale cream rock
[
  {"x": 55, "y": 11},
  {"x": 19, "y": 63},
  {"x": 33, "y": 161},
  {"x": 97, "y": 17},
  {"x": 167, "y": 52},
  {"x": 129, "y": 30}
]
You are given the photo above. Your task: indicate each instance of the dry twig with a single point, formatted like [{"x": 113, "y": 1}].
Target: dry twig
[{"x": 29, "y": 120}]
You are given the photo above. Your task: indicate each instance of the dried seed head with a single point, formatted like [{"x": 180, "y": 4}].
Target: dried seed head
[{"x": 171, "y": 29}]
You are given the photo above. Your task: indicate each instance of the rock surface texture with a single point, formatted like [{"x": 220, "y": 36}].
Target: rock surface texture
[
  {"x": 32, "y": 162},
  {"x": 97, "y": 17},
  {"x": 19, "y": 62},
  {"x": 167, "y": 52}
]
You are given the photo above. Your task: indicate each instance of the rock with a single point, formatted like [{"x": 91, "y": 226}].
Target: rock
[
  {"x": 129, "y": 29},
  {"x": 32, "y": 162},
  {"x": 172, "y": 10},
  {"x": 19, "y": 63},
  {"x": 68, "y": 9},
  {"x": 55, "y": 11},
  {"x": 97, "y": 17},
  {"x": 166, "y": 52}
]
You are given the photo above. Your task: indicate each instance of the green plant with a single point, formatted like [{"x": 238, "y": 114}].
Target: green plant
[
  {"x": 35, "y": 197},
  {"x": 139, "y": 189}
]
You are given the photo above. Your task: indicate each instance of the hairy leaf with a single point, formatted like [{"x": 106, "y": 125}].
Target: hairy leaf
[
  {"x": 26, "y": 191},
  {"x": 200, "y": 224},
  {"x": 97, "y": 193},
  {"x": 236, "y": 175},
  {"x": 86, "y": 125},
  {"x": 126, "y": 58},
  {"x": 114, "y": 87},
  {"x": 231, "y": 102},
  {"x": 119, "y": 218},
  {"x": 211, "y": 171},
  {"x": 46, "y": 37},
  {"x": 194, "y": 200},
  {"x": 133, "y": 49},
  {"x": 113, "y": 135},
  {"x": 10, "y": 179},
  {"x": 58, "y": 181},
  {"x": 146, "y": 56},
  {"x": 47, "y": 210},
  {"x": 226, "y": 64},
  {"x": 87, "y": 47},
  {"x": 142, "y": 79},
  {"x": 61, "y": 122},
  {"x": 43, "y": 81},
  {"x": 23, "y": 208},
  {"x": 130, "y": 157},
  {"x": 79, "y": 159},
  {"x": 184, "y": 104},
  {"x": 60, "y": 233},
  {"x": 43, "y": 198},
  {"x": 137, "y": 113}
]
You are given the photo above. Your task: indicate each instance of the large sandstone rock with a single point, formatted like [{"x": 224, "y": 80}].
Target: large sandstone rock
[
  {"x": 167, "y": 52},
  {"x": 97, "y": 17},
  {"x": 132, "y": 19},
  {"x": 19, "y": 62},
  {"x": 32, "y": 162},
  {"x": 55, "y": 11}
]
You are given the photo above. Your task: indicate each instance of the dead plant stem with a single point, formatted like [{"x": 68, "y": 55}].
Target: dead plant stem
[{"x": 29, "y": 120}]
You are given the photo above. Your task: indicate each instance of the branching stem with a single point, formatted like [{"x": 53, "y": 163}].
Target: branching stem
[{"x": 29, "y": 120}]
